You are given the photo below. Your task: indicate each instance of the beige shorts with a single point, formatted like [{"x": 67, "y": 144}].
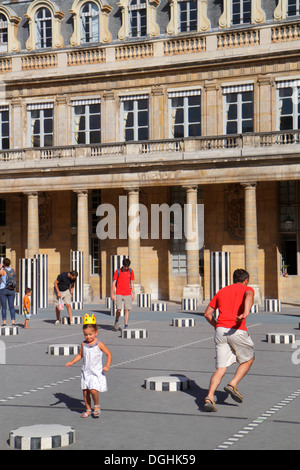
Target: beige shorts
[
  {"x": 232, "y": 346},
  {"x": 65, "y": 297},
  {"x": 127, "y": 299}
]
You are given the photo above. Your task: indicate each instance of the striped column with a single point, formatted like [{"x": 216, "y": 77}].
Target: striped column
[
  {"x": 41, "y": 280},
  {"x": 272, "y": 305},
  {"x": 144, "y": 300},
  {"x": 76, "y": 263},
  {"x": 28, "y": 278},
  {"x": 219, "y": 271}
]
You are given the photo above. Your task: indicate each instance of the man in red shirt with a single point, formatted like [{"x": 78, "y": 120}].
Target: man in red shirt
[
  {"x": 232, "y": 340},
  {"x": 124, "y": 286}
]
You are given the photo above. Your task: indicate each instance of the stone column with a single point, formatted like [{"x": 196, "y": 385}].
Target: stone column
[
  {"x": 134, "y": 237},
  {"x": 251, "y": 252},
  {"x": 33, "y": 232},
  {"x": 83, "y": 241},
  {"x": 193, "y": 288}
]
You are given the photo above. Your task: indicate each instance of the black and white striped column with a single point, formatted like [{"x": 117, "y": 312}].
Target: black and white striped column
[
  {"x": 41, "y": 437},
  {"x": 219, "y": 271},
  {"x": 76, "y": 263},
  {"x": 272, "y": 305},
  {"x": 28, "y": 278},
  {"x": 280, "y": 338},
  {"x": 159, "y": 307},
  {"x": 188, "y": 304},
  {"x": 42, "y": 280},
  {"x": 144, "y": 300}
]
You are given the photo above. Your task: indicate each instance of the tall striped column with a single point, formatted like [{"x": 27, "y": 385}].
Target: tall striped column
[
  {"x": 219, "y": 271},
  {"x": 42, "y": 280},
  {"x": 28, "y": 278},
  {"x": 116, "y": 262},
  {"x": 76, "y": 263}
]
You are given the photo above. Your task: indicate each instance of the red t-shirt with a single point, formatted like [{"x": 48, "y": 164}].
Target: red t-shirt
[
  {"x": 230, "y": 302},
  {"x": 123, "y": 281}
]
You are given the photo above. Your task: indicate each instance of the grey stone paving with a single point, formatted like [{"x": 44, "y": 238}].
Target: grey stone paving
[{"x": 36, "y": 388}]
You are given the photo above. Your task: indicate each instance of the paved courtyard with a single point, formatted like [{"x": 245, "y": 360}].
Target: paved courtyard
[{"x": 37, "y": 388}]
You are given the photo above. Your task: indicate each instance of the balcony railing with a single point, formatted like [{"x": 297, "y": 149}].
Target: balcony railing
[{"x": 125, "y": 152}]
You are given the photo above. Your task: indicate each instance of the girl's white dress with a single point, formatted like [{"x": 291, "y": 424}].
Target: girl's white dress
[{"x": 92, "y": 376}]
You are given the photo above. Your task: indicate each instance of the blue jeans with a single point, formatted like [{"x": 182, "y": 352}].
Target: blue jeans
[{"x": 7, "y": 295}]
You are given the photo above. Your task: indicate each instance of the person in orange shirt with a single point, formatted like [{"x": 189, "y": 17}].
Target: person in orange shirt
[{"x": 26, "y": 306}]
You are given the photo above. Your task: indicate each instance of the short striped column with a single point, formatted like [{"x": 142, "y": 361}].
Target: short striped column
[
  {"x": 272, "y": 305},
  {"x": 219, "y": 271},
  {"x": 280, "y": 338},
  {"x": 41, "y": 437},
  {"x": 183, "y": 322},
  {"x": 63, "y": 349},
  {"x": 41, "y": 280},
  {"x": 76, "y": 262},
  {"x": 107, "y": 302},
  {"x": 76, "y": 320},
  {"x": 167, "y": 383},
  {"x": 188, "y": 304},
  {"x": 129, "y": 333},
  {"x": 9, "y": 330},
  {"x": 144, "y": 300},
  {"x": 28, "y": 278},
  {"x": 159, "y": 307},
  {"x": 254, "y": 308},
  {"x": 2, "y": 352}
]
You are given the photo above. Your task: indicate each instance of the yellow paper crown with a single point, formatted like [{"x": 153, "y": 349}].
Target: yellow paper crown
[{"x": 87, "y": 320}]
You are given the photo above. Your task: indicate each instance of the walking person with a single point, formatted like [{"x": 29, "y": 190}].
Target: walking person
[
  {"x": 232, "y": 340},
  {"x": 93, "y": 380},
  {"x": 8, "y": 282},
  {"x": 63, "y": 291},
  {"x": 123, "y": 291}
]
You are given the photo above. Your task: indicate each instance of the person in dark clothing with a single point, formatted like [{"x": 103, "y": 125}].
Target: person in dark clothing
[{"x": 63, "y": 292}]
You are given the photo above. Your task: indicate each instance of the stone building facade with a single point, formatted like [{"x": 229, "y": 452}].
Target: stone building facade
[{"x": 110, "y": 106}]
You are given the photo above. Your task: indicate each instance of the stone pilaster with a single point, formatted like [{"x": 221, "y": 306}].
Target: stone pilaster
[
  {"x": 83, "y": 241},
  {"x": 33, "y": 238},
  {"x": 134, "y": 237}
]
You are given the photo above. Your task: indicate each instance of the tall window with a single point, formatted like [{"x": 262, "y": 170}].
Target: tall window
[
  {"x": 87, "y": 122},
  {"x": 89, "y": 23},
  {"x": 187, "y": 16},
  {"x": 3, "y": 33},
  {"x": 289, "y": 199},
  {"x": 293, "y": 8},
  {"x": 185, "y": 114},
  {"x": 135, "y": 118},
  {"x": 4, "y": 128},
  {"x": 43, "y": 28},
  {"x": 41, "y": 125},
  {"x": 138, "y": 18},
  {"x": 238, "y": 109},
  {"x": 288, "y": 94},
  {"x": 241, "y": 12}
]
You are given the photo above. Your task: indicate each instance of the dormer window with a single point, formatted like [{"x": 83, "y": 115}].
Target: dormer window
[
  {"x": 89, "y": 23},
  {"x": 43, "y": 29},
  {"x": 3, "y": 33}
]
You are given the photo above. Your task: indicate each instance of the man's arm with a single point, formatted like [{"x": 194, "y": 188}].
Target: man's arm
[
  {"x": 113, "y": 290},
  {"x": 56, "y": 288},
  {"x": 209, "y": 315},
  {"x": 248, "y": 302},
  {"x": 132, "y": 288}
]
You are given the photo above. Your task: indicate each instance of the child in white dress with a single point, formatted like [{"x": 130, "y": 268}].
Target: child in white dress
[{"x": 93, "y": 380}]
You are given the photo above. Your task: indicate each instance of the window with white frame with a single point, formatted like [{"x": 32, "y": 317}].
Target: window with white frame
[
  {"x": 41, "y": 125},
  {"x": 178, "y": 251},
  {"x": 187, "y": 15},
  {"x": 135, "y": 118},
  {"x": 288, "y": 96},
  {"x": 89, "y": 23},
  {"x": 238, "y": 109},
  {"x": 87, "y": 121},
  {"x": 4, "y": 127},
  {"x": 138, "y": 18},
  {"x": 3, "y": 33},
  {"x": 43, "y": 28},
  {"x": 241, "y": 12},
  {"x": 293, "y": 7},
  {"x": 184, "y": 113},
  {"x": 95, "y": 249}
]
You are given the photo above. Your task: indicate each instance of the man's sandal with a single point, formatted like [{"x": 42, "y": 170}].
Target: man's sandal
[
  {"x": 234, "y": 393},
  {"x": 86, "y": 414},
  {"x": 209, "y": 405}
]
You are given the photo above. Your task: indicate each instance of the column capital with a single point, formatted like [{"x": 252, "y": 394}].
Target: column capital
[
  {"x": 81, "y": 192},
  {"x": 251, "y": 184},
  {"x": 133, "y": 190},
  {"x": 31, "y": 193}
]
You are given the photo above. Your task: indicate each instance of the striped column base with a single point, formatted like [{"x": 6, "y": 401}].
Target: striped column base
[
  {"x": 188, "y": 304},
  {"x": 159, "y": 307},
  {"x": 41, "y": 437},
  {"x": 255, "y": 308},
  {"x": 77, "y": 320},
  {"x": 167, "y": 384},
  {"x": 134, "y": 333},
  {"x": 77, "y": 305},
  {"x": 272, "y": 305},
  {"x": 144, "y": 300},
  {"x": 183, "y": 322},
  {"x": 63, "y": 349},
  {"x": 107, "y": 302},
  {"x": 9, "y": 330},
  {"x": 280, "y": 338}
]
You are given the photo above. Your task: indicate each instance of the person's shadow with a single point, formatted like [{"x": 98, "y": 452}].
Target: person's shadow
[{"x": 74, "y": 404}]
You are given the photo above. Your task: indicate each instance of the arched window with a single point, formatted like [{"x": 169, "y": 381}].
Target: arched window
[
  {"x": 3, "y": 33},
  {"x": 43, "y": 28},
  {"x": 138, "y": 18},
  {"x": 89, "y": 16},
  {"x": 9, "y": 23}
]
